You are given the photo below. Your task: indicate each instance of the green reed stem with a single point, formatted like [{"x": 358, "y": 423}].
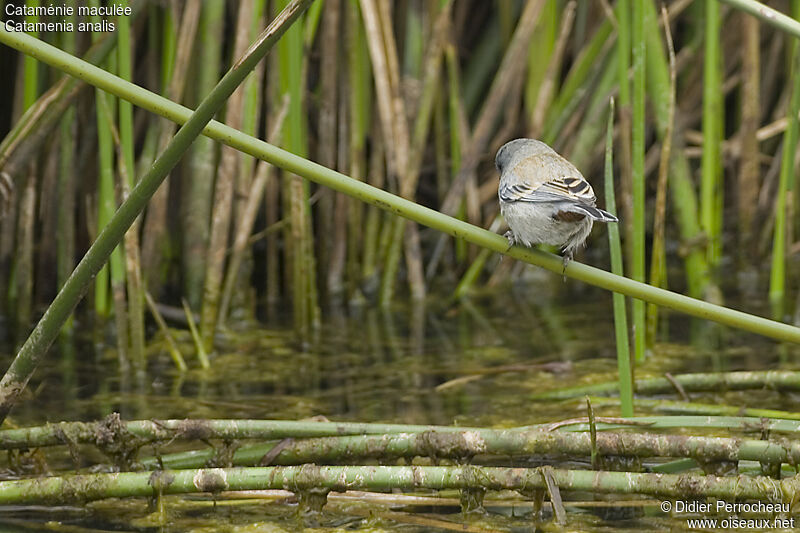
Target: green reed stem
[
  {"x": 89, "y": 487},
  {"x": 710, "y": 183},
  {"x": 488, "y": 53},
  {"x": 777, "y": 280},
  {"x": 768, "y": 15},
  {"x": 222, "y": 210},
  {"x": 458, "y": 127},
  {"x": 359, "y": 69},
  {"x": 65, "y": 236},
  {"x": 684, "y": 199},
  {"x": 105, "y": 199},
  {"x": 299, "y": 236},
  {"x": 253, "y": 91},
  {"x": 637, "y": 152},
  {"x": 615, "y": 250},
  {"x": 778, "y": 380},
  {"x": 30, "y": 90},
  {"x": 623, "y": 14},
  {"x": 133, "y": 268},
  {"x": 471, "y": 275},
  {"x": 575, "y": 85},
  {"x": 202, "y": 356},
  {"x": 542, "y": 44},
  {"x": 21, "y": 289},
  {"x": 361, "y": 239},
  {"x": 202, "y": 155},
  {"x": 105, "y": 105},
  {"x": 787, "y": 420},
  {"x": 658, "y": 258},
  {"x": 590, "y": 132},
  {"x": 172, "y": 347},
  {"x": 32, "y": 352}
]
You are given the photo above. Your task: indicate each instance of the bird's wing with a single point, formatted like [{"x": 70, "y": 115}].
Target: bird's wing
[
  {"x": 572, "y": 187},
  {"x": 554, "y": 190},
  {"x": 546, "y": 178}
]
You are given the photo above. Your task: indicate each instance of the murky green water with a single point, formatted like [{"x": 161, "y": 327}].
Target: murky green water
[{"x": 475, "y": 364}]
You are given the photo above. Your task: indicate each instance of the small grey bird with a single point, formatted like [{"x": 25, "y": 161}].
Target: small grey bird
[{"x": 544, "y": 198}]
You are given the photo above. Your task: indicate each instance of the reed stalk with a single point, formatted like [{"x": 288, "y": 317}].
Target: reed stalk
[
  {"x": 7, "y": 233},
  {"x": 622, "y": 12},
  {"x": 65, "y": 236},
  {"x": 471, "y": 275},
  {"x": 711, "y": 169},
  {"x": 539, "y": 440},
  {"x": 221, "y": 211},
  {"x": 157, "y": 48},
  {"x": 299, "y": 238},
  {"x": 376, "y": 221},
  {"x": 779, "y": 380},
  {"x": 202, "y": 158},
  {"x": 684, "y": 409},
  {"x": 158, "y": 246},
  {"x": 105, "y": 109},
  {"x": 105, "y": 198},
  {"x": 430, "y": 76},
  {"x": 638, "y": 53},
  {"x": 172, "y": 347},
  {"x": 333, "y": 210},
  {"x": 624, "y": 362},
  {"x": 658, "y": 261},
  {"x": 543, "y": 43},
  {"x": 585, "y": 142},
  {"x": 576, "y": 85},
  {"x": 777, "y": 280},
  {"x": 202, "y": 356},
  {"x": 394, "y": 128},
  {"x": 253, "y": 103},
  {"x": 768, "y": 15},
  {"x": 89, "y": 487},
  {"x": 478, "y": 73},
  {"x": 363, "y": 228},
  {"x": 547, "y": 91},
  {"x": 749, "y": 164},
  {"x": 133, "y": 271},
  {"x": 272, "y": 277},
  {"x": 684, "y": 199},
  {"x": 21, "y": 278},
  {"x": 459, "y": 126},
  {"x": 552, "y": 435},
  {"x": 244, "y": 228}
]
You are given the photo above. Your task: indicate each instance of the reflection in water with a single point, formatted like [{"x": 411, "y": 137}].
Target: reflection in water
[
  {"x": 475, "y": 363},
  {"x": 375, "y": 365}
]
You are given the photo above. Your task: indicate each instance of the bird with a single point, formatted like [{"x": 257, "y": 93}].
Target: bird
[{"x": 544, "y": 198}]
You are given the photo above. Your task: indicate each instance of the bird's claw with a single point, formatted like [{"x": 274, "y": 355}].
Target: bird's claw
[
  {"x": 511, "y": 239},
  {"x": 566, "y": 258}
]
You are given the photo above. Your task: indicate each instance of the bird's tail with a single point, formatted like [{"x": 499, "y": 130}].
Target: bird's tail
[{"x": 597, "y": 213}]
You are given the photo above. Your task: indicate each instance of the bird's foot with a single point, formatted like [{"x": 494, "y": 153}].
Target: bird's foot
[
  {"x": 512, "y": 240},
  {"x": 566, "y": 258}
]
